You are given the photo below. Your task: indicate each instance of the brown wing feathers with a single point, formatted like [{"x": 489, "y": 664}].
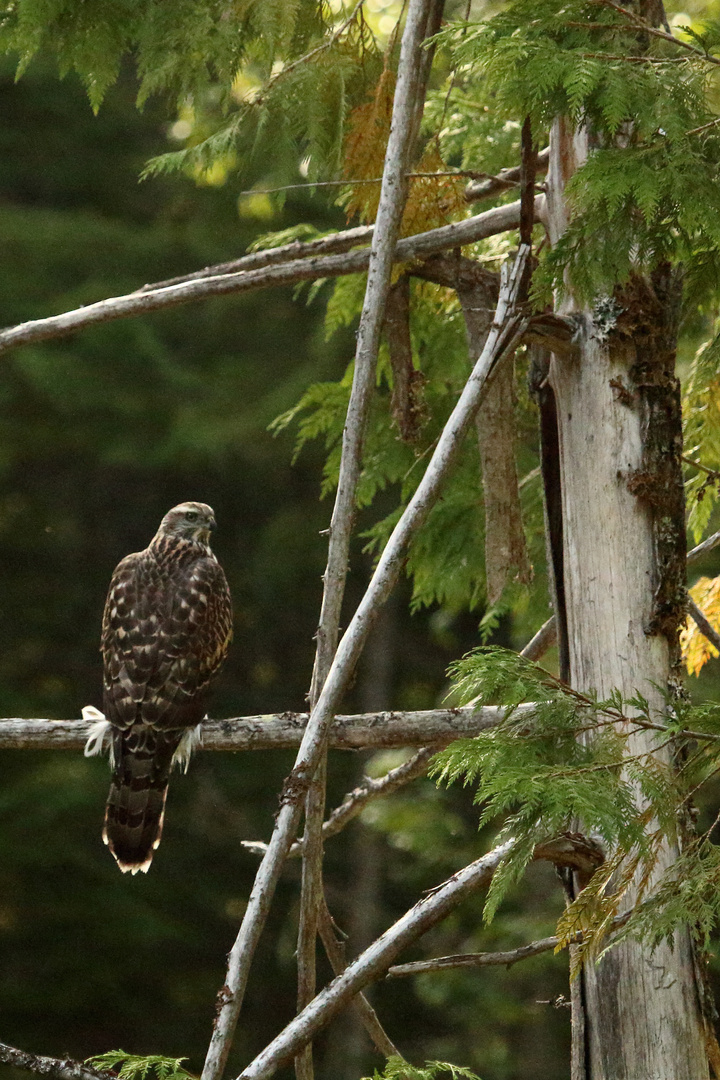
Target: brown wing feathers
[{"x": 166, "y": 630}]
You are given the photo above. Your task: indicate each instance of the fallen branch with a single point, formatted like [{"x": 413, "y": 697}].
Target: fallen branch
[
  {"x": 479, "y": 227},
  {"x": 53, "y": 1068}
]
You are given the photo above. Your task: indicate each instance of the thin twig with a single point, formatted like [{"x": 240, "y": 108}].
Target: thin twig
[
  {"x": 497, "y": 220},
  {"x": 368, "y": 1017},
  {"x": 493, "y": 959},
  {"x": 696, "y": 464},
  {"x": 506, "y": 178},
  {"x": 704, "y": 127},
  {"x": 504, "y": 334},
  {"x": 366, "y": 791},
  {"x": 469, "y": 174}
]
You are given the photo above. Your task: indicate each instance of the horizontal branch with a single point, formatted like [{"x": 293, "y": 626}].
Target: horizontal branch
[
  {"x": 53, "y": 1068},
  {"x": 476, "y": 960},
  {"x": 493, "y": 959},
  {"x": 281, "y": 731},
  {"x": 490, "y": 223}
]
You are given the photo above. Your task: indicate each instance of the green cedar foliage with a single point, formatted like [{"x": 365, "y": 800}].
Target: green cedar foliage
[
  {"x": 398, "y": 1068},
  {"x": 649, "y": 192},
  {"x": 571, "y": 761},
  {"x": 134, "y": 1067}
]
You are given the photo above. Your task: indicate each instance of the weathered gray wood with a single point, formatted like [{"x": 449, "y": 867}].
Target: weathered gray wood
[
  {"x": 281, "y": 731},
  {"x": 641, "y": 1011}
]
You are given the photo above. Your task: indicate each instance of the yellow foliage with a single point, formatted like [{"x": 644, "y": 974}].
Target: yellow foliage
[
  {"x": 696, "y": 648},
  {"x": 368, "y": 132},
  {"x": 432, "y": 201}
]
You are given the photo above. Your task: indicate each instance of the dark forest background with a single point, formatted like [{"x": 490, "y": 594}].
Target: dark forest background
[{"x": 100, "y": 434}]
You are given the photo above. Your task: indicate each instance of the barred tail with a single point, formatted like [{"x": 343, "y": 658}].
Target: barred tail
[{"x": 136, "y": 803}]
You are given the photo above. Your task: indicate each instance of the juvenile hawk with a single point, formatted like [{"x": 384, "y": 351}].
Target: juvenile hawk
[{"x": 166, "y": 630}]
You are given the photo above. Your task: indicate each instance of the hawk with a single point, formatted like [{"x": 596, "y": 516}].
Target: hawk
[{"x": 166, "y": 630}]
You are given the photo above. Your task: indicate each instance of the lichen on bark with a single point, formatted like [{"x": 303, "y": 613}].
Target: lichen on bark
[{"x": 648, "y": 324}]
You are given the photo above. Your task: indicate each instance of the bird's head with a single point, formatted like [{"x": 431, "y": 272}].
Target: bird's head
[{"x": 189, "y": 521}]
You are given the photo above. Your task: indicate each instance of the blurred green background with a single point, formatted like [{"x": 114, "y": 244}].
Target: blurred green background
[{"x": 100, "y": 434}]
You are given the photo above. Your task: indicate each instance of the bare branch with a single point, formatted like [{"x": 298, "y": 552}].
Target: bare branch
[
  {"x": 282, "y": 731},
  {"x": 702, "y": 549},
  {"x": 503, "y": 335},
  {"x": 53, "y": 1068},
  {"x": 639, "y": 22},
  {"x": 334, "y": 243},
  {"x": 413, "y": 69},
  {"x": 393, "y": 194},
  {"x": 356, "y": 800},
  {"x": 475, "y": 960},
  {"x": 703, "y": 624},
  {"x": 545, "y": 638},
  {"x": 492, "y": 959},
  {"x": 336, "y": 955},
  {"x": 372, "y": 964},
  {"x": 497, "y": 220}
]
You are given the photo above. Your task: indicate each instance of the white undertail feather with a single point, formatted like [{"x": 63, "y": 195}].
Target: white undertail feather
[
  {"x": 99, "y": 739},
  {"x": 192, "y": 738}
]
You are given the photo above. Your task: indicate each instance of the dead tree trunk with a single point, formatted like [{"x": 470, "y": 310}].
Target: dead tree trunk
[{"x": 637, "y": 1016}]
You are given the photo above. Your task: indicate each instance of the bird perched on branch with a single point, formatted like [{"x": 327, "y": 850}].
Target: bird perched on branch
[{"x": 166, "y": 631}]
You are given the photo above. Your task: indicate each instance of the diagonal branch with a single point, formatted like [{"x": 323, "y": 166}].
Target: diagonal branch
[
  {"x": 703, "y": 624},
  {"x": 656, "y": 32},
  {"x": 490, "y": 223},
  {"x": 503, "y": 335},
  {"x": 374, "y": 962},
  {"x": 52, "y": 1068},
  {"x": 336, "y": 955},
  {"x": 413, "y": 67}
]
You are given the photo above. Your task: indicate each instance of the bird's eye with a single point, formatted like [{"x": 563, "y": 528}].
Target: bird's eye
[{"x": 191, "y": 515}]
